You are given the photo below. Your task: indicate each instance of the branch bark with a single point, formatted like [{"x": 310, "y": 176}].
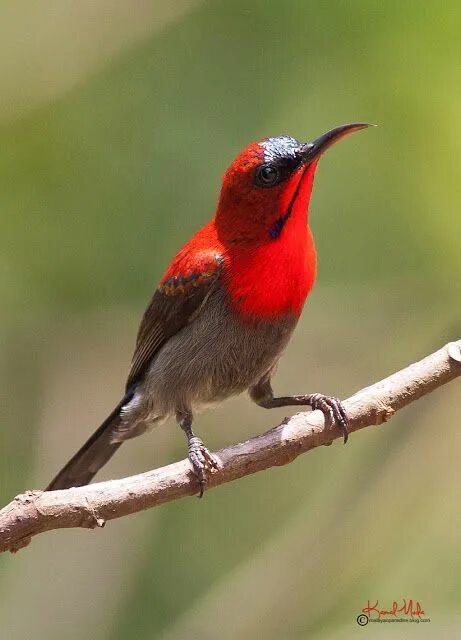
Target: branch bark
[{"x": 35, "y": 512}]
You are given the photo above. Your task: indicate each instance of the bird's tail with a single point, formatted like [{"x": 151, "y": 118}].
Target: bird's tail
[{"x": 94, "y": 454}]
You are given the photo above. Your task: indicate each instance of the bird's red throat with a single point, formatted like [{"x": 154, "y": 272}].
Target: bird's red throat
[
  {"x": 268, "y": 278},
  {"x": 272, "y": 278}
]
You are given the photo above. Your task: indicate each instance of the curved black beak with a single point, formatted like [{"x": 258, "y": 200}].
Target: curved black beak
[{"x": 312, "y": 150}]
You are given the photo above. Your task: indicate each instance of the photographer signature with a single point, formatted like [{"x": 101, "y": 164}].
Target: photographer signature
[{"x": 406, "y": 607}]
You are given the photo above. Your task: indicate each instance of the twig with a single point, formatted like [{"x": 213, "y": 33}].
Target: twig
[{"x": 35, "y": 512}]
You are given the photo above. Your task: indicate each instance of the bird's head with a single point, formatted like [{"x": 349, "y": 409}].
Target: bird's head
[{"x": 268, "y": 182}]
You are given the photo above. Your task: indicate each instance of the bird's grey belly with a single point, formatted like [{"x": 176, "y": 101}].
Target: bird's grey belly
[{"x": 215, "y": 356}]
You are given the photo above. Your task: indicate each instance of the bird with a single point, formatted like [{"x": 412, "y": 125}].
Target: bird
[{"x": 225, "y": 308}]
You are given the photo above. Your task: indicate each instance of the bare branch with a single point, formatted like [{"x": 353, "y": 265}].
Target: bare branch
[{"x": 35, "y": 511}]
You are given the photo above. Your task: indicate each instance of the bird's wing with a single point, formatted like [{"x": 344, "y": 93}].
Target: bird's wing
[{"x": 176, "y": 302}]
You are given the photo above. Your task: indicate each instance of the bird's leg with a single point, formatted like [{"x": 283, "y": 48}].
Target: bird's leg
[
  {"x": 200, "y": 458},
  {"x": 332, "y": 408}
]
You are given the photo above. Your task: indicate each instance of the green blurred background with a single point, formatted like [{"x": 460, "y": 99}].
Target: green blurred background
[{"x": 117, "y": 120}]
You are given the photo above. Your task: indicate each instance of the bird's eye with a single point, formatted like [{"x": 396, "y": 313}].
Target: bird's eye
[{"x": 267, "y": 175}]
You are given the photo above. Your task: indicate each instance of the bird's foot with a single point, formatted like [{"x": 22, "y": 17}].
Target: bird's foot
[
  {"x": 333, "y": 411},
  {"x": 202, "y": 461}
]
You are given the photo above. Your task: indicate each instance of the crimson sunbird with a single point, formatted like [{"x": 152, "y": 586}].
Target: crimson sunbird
[{"x": 225, "y": 308}]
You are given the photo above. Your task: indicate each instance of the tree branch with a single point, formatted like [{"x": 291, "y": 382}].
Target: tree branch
[{"x": 35, "y": 512}]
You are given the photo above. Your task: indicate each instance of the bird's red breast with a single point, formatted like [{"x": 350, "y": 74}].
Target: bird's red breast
[
  {"x": 273, "y": 277},
  {"x": 266, "y": 277}
]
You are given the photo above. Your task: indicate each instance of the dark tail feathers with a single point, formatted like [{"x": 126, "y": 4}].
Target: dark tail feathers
[{"x": 94, "y": 454}]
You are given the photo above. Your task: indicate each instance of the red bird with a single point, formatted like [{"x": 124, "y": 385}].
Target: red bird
[{"x": 225, "y": 309}]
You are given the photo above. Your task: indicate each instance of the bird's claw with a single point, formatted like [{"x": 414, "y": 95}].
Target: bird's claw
[
  {"x": 333, "y": 410},
  {"x": 202, "y": 461}
]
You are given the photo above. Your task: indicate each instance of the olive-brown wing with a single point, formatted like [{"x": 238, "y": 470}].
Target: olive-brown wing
[{"x": 174, "y": 304}]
